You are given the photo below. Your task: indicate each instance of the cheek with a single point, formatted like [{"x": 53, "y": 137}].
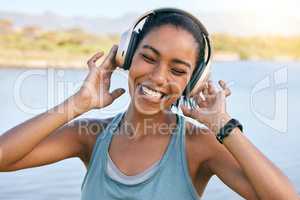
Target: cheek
[
  {"x": 177, "y": 85},
  {"x": 137, "y": 69}
]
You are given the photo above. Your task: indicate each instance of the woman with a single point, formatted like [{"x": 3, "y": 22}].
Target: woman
[{"x": 130, "y": 156}]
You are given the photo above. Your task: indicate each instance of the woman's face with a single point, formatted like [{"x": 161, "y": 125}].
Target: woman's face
[{"x": 161, "y": 68}]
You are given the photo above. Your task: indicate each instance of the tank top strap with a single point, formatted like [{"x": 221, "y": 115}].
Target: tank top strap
[
  {"x": 98, "y": 149},
  {"x": 107, "y": 134},
  {"x": 183, "y": 159}
]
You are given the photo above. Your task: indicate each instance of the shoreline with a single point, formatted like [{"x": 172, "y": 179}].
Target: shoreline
[{"x": 81, "y": 63}]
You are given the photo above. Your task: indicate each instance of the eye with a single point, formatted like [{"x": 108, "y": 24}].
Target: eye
[
  {"x": 178, "y": 72},
  {"x": 148, "y": 58}
]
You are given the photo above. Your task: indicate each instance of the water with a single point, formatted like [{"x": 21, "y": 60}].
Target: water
[{"x": 273, "y": 129}]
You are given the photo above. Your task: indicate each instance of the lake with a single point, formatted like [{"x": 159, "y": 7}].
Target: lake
[{"x": 265, "y": 98}]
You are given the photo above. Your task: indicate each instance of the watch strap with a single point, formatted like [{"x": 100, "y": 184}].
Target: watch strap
[{"x": 227, "y": 128}]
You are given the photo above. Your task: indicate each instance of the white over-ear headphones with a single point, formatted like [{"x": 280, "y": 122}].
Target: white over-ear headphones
[{"x": 129, "y": 40}]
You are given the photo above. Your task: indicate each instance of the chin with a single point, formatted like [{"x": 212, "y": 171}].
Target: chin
[{"x": 149, "y": 100}]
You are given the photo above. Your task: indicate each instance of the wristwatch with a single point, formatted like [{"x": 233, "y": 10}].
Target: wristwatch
[{"x": 227, "y": 128}]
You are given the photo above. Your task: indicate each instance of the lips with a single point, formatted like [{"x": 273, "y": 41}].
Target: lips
[{"x": 150, "y": 94}]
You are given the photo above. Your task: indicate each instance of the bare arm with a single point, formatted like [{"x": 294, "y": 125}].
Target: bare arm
[
  {"x": 19, "y": 141},
  {"x": 41, "y": 140},
  {"x": 252, "y": 173},
  {"x": 247, "y": 171},
  {"x": 65, "y": 142},
  {"x": 225, "y": 166},
  {"x": 268, "y": 181}
]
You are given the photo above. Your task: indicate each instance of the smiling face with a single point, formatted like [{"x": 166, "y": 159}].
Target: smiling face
[{"x": 161, "y": 68}]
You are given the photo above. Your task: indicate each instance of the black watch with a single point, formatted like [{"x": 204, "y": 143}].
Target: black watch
[{"x": 227, "y": 128}]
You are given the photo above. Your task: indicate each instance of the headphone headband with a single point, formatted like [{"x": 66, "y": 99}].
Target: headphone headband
[{"x": 171, "y": 10}]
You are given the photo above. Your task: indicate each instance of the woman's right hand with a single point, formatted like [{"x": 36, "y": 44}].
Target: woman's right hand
[
  {"x": 94, "y": 93},
  {"x": 43, "y": 139}
]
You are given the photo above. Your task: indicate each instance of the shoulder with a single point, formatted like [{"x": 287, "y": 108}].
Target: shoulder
[
  {"x": 86, "y": 131},
  {"x": 201, "y": 143},
  {"x": 205, "y": 149},
  {"x": 200, "y": 149},
  {"x": 87, "y": 127}
]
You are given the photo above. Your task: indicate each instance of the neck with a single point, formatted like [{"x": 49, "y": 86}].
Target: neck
[{"x": 137, "y": 125}]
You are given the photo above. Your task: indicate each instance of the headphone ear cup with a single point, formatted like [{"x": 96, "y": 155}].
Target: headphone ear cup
[
  {"x": 204, "y": 77},
  {"x": 197, "y": 77},
  {"x": 122, "y": 48},
  {"x": 131, "y": 49}
]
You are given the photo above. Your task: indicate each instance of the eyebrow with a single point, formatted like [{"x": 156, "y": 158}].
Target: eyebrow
[
  {"x": 151, "y": 48},
  {"x": 181, "y": 62},
  {"x": 174, "y": 60}
]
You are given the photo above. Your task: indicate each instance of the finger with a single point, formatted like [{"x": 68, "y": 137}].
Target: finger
[
  {"x": 205, "y": 89},
  {"x": 222, "y": 99},
  {"x": 117, "y": 93},
  {"x": 92, "y": 61},
  {"x": 211, "y": 88},
  {"x": 200, "y": 89},
  {"x": 203, "y": 104},
  {"x": 192, "y": 113},
  {"x": 225, "y": 88},
  {"x": 109, "y": 62},
  {"x": 206, "y": 100},
  {"x": 187, "y": 112},
  {"x": 200, "y": 100}
]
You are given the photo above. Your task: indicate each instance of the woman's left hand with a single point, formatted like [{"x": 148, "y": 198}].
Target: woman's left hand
[{"x": 211, "y": 109}]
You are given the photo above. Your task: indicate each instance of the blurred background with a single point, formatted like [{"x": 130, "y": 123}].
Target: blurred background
[{"x": 44, "y": 46}]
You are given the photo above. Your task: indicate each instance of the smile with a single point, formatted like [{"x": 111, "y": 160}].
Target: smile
[{"x": 151, "y": 94}]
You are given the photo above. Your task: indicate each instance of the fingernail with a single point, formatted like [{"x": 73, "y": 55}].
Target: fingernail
[{"x": 114, "y": 47}]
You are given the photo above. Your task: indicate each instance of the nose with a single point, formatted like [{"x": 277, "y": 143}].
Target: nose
[{"x": 159, "y": 75}]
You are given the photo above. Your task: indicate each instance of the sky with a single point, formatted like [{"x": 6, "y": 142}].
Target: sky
[{"x": 112, "y": 8}]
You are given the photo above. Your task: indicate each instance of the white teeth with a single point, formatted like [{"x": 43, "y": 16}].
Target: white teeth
[{"x": 150, "y": 92}]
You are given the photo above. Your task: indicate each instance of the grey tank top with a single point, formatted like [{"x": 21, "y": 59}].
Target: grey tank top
[{"x": 168, "y": 178}]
